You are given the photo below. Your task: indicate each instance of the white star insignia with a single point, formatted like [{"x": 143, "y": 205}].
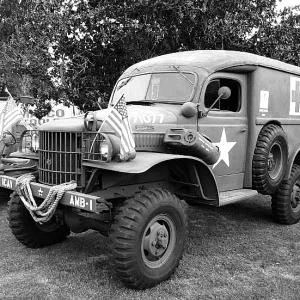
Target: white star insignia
[
  {"x": 224, "y": 147},
  {"x": 40, "y": 192}
]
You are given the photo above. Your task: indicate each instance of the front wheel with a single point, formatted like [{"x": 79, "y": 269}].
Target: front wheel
[
  {"x": 30, "y": 233},
  {"x": 147, "y": 238},
  {"x": 286, "y": 202}
]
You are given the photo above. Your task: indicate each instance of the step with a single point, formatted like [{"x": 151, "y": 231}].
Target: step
[{"x": 235, "y": 196}]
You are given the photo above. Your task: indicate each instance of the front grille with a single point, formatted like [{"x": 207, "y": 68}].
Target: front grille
[
  {"x": 60, "y": 157},
  {"x": 61, "y": 154}
]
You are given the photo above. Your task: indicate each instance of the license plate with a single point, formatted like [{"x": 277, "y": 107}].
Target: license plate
[{"x": 79, "y": 201}]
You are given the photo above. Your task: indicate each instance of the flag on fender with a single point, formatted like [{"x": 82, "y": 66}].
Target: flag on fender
[
  {"x": 118, "y": 120},
  {"x": 10, "y": 114}
]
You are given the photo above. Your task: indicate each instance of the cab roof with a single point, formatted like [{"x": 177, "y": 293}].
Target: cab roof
[{"x": 213, "y": 61}]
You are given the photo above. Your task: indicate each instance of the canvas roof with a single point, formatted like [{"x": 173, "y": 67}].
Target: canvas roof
[{"x": 213, "y": 60}]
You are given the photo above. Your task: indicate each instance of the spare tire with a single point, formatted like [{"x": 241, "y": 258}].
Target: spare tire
[{"x": 270, "y": 159}]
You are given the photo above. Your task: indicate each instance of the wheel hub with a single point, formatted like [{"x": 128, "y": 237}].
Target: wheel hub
[
  {"x": 274, "y": 161},
  {"x": 158, "y": 239},
  {"x": 295, "y": 199},
  {"x": 271, "y": 162},
  {"x": 49, "y": 226}
]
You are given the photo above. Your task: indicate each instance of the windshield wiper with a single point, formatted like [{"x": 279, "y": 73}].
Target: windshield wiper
[
  {"x": 183, "y": 75},
  {"x": 169, "y": 102},
  {"x": 123, "y": 83},
  {"x": 141, "y": 102},
  {"x": 154, "y": 102}
]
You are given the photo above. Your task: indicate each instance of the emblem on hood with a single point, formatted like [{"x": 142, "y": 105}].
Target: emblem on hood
[{"x": 144, "y": 128}]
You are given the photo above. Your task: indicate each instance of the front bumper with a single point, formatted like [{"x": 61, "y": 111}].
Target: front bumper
[{"x": 70, "y": 198}]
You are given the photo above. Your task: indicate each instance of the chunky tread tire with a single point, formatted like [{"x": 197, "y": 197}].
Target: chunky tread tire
[
  {"x": 264, "y": 180},
  {"x": 127, "y": 237},
  {"x": 27, "y": 231},
  {"x": 283, "y": 209}
]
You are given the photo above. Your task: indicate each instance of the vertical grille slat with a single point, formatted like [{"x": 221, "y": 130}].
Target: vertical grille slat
[
  {"x": 149, "y": 141},
  {"x": 60, "y": 157}
]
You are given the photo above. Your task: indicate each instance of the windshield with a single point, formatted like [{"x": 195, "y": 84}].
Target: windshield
[{"x": 156, "y": 87}]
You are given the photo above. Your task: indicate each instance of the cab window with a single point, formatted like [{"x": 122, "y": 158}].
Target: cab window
[
  {"x": 233, "y": 103},
  {"x": 156, "y": 87}
]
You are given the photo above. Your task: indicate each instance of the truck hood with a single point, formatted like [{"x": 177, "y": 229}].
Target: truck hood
[
  {"x": 75, "y": 124},
  {"x": 142, "y": 119}
]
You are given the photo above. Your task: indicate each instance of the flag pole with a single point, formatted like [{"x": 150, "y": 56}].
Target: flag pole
[
  {"x": 103, "y": 123},
  {"x": 10, "y": 114}
]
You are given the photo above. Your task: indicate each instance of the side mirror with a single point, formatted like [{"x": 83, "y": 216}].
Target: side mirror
[
  {"x": 189, "y": 109},
  {"x": 224, "y": 92}
]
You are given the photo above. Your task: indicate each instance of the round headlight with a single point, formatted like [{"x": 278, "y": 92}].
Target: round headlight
[
  {"x": 29, "y": 141},
  {"x": 105, "y": 148},
  {"x": 35, "y": 142}
]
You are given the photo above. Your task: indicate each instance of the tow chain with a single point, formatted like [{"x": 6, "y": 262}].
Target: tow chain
[{"x": 45, "y": 211}]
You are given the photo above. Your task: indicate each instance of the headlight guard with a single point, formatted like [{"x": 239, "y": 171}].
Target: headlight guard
[
  {"x": 97, "y": 146},
  {"x": 29, "y": 142}
]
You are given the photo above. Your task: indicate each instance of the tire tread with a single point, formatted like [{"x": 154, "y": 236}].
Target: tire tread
[
  {"x": 23, "y": 226},
  {"x": 260, "y": 178},
  {"x": 121, "y": 243},
  {"x": 281, "y": 209}
]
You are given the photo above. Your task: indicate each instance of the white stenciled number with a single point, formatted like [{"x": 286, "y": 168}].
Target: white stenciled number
[
  {"x": 6, "y": 183},
  {"x": 146, "y": 119},
  {"x": 157, "y": 118},
  {"x": 77, "y": 201},
  {"x": 161, "y": 116}
]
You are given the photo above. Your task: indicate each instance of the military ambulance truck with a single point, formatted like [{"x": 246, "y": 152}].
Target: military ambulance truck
[{"x": 210, "y": 127}]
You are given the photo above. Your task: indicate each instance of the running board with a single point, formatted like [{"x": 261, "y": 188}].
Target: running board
[{"x": 235, "y": 196}]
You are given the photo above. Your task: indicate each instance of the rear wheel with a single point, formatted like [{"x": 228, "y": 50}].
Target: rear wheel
[
  {"x": 147, "y": 238},
  {"x": 30, "y": 233},
  {"x": 286, "y": 202}
]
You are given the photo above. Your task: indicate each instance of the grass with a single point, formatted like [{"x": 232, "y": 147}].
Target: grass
[{"x": 233, "y": 252}]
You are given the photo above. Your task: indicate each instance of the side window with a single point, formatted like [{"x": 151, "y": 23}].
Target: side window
[{"x": 233, "y": 103}]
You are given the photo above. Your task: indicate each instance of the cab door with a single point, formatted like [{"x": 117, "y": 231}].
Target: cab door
[{"x": 226, "y": 126}]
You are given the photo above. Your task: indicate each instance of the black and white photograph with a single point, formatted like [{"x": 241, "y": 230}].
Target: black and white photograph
[{"x": 149, "y": 150}]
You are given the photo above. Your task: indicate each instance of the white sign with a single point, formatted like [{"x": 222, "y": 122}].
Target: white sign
[
  {"x": 294, "y": 96},
  {"x": 264, "y": 101},
  {"x": 59, "y": 111}
]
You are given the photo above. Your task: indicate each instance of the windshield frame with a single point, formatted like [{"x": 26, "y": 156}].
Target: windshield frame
[{"x": 181, "y": 72}]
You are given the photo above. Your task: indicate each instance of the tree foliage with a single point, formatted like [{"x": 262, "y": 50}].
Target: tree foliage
[{"x": 74, "y": 50}]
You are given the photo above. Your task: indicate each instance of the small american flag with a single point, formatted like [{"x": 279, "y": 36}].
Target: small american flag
[
  {"x": 10, "y": 115},
  {"x": 118, "y": 120}
]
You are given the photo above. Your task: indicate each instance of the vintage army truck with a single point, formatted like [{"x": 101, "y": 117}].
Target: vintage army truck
[{"x": 209, "y": 127}]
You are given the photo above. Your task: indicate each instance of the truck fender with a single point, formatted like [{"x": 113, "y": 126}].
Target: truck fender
[
  {"x": 199, "y": 174},
  {"x": 294, "y": 158}
]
